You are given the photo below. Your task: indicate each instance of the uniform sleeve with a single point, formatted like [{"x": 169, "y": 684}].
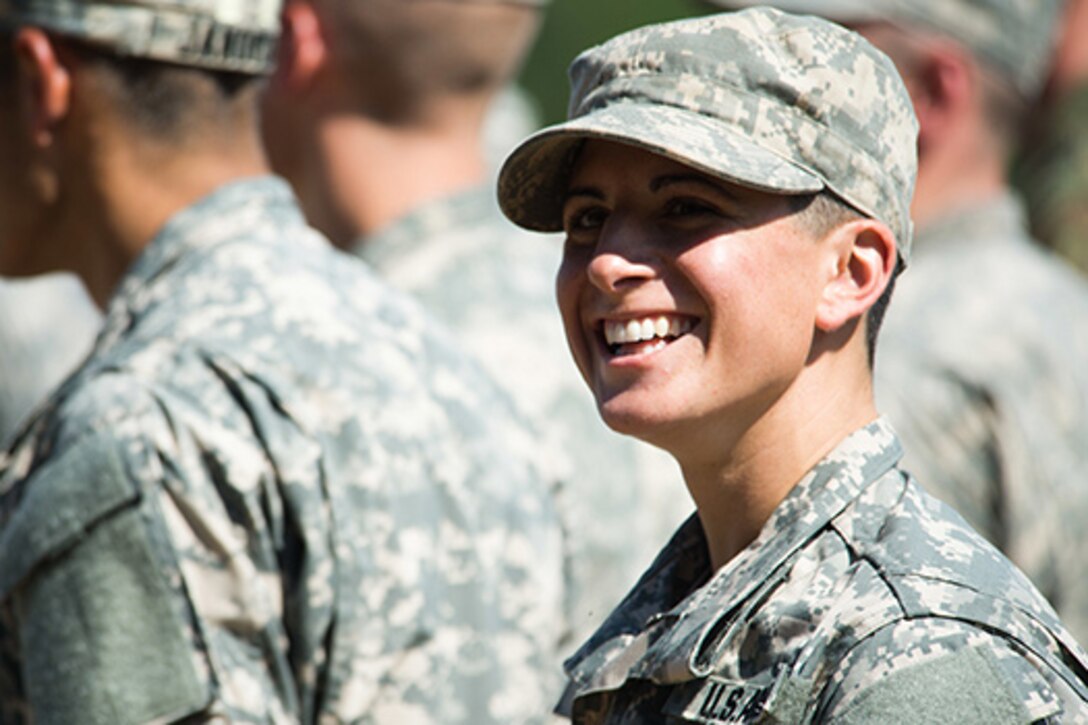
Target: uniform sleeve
[
  {"x": 934, "y": 670},
  {"x": 94, "y": 626}
]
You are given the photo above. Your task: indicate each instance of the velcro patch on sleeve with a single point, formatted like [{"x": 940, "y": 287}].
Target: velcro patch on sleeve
[
  {"x": 101, "y": 635},
  {"x": 963, "y": 687}
]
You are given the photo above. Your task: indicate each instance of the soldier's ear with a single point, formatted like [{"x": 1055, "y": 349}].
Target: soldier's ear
[
  {"x": 861, "y": 262},
  {"x": 44, "y": 85},
  {"x": 302, "y": 49}
]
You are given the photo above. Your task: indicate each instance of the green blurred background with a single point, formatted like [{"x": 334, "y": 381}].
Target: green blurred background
[{"x": 571, "y": 26}]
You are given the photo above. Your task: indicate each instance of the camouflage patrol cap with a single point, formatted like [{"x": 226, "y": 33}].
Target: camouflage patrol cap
[
  {"x": 1015, "y": 37},
  {"x": 771, "y": 101},
  {"x": 229, "y": 35}
]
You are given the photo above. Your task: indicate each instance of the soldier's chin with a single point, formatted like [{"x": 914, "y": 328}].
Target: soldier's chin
[{"x": 645, "y": 423}]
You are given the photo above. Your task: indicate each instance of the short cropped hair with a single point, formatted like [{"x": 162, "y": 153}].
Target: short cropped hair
[
  {"x": 162, "y": 101},
  {"x": 822, "y": 212}
]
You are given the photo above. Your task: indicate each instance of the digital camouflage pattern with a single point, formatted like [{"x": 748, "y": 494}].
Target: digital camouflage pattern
[
  {"x": 862, "y": 599},
  {"x": 275, "y": 493},
  {"x": 987, "y": 384},
  {"x": 1052, "y": 174},
  {"x": 758, "y": 98},
  {"x": 1015, "y": 36},
  {"x": 229, "y": 35},
  {"x": 493, "y": 286},
  {"x": 47, "y": 325}
]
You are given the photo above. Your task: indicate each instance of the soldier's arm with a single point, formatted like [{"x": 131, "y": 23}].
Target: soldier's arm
[
  {"x": 100, "y": 634},
  {"x": 135, "y": 595}
]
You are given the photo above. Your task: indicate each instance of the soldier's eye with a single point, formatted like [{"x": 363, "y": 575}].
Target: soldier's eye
[
  {"x": 688, "y": 207},
  {"x": 580, "y": 220}
]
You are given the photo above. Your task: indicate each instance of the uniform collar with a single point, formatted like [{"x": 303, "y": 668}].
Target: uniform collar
[
  {"x": 658, "y": 631},
  {"x": 226, "y": 213},
  {"x": 426, "y": 223},
  {"x": 999, "y": 217}
]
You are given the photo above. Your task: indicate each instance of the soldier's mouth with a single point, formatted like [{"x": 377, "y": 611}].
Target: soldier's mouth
[{"x": 643, "y": 335}]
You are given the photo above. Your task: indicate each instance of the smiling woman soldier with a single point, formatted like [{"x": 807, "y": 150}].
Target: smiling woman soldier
[{"x": 735, "y": 194}]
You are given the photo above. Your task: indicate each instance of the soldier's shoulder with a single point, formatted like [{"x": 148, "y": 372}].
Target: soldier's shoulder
[
  {"x": 82, "y": 462},
  {"x": 920, "y": 543},
  {"x": 114, "y": 404},
  {"x": 946, "y": 670},
  {"x": 939, "y": 570}
]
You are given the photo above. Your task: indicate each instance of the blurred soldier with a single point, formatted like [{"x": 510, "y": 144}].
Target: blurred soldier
[
  {"x": 1052, "y": 164},
  {"x": 47, "y": 325},
  {"x": 395, "y": 169},
  {"x": 987, "y": 382},
  {"x": 735, "y": 192},
  {"x": 274, "y": 492}
]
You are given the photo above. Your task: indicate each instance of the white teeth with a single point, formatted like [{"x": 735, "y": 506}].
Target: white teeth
[{"x": 618, "y": 333}]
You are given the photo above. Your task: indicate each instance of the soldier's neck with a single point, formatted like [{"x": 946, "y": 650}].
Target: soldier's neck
[
  {"x": 953, "y": 175},
  {"x": 370, "y": 175},
  {"x": 125, "y": 193},
  {"x": 742, "y": 481}
]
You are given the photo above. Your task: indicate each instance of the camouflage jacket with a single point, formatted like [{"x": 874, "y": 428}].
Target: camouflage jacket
[
  {"x": 981, "y": 368},
  {"x": 862, "y": 600},
  {"x": 274, "y": 493},
  {"x": 492, "y": 284}
]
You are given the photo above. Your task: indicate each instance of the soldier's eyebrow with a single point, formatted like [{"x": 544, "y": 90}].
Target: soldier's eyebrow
[{"x": 660, "y": 182}]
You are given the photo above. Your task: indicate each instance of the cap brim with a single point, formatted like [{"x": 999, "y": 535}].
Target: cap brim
[{"x": 533, "y": 181}]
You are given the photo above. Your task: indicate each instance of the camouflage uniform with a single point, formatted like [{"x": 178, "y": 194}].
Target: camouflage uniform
[
  {"x": 862, "y": 599},
  {"x": 303, "y": 497},
  {"x": 275, "y": 492},
  {"x": 47, "y": 325},
  {"x": 988, "y": 386},
  {"x": 493, "y": 287},
  {"x": 986, "y": 382}
]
